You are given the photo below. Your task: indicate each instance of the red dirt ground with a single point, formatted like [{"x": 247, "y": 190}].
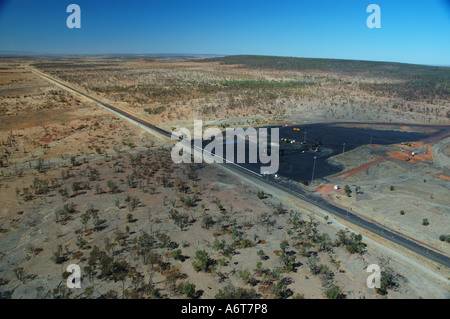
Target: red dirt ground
[
  {"x": 402, "y": 156},
  {"x": 326, "y": 189},
  {"x": 444, "y": 177},
  {"x": 358, "y": 169}
]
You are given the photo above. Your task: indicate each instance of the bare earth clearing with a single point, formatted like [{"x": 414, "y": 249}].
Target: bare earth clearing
[{"x": 396, "y": 192}]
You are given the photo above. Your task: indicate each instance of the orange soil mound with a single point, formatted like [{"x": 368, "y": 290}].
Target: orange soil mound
[
  {"x": 421, "y": 157},
  {"x": 402, "y": 156},
  {"x": 324, "y": 190},
  {"x": 405, "y": 128},
  {"x": 359, "y": 169}
]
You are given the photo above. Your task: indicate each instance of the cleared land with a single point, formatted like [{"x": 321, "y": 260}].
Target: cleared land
[{"x": 397, "y": 189}]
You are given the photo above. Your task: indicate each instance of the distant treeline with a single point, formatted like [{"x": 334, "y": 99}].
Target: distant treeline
[
  {"x": 421, "y": 81},
  {"x": 397, "y": 70}
]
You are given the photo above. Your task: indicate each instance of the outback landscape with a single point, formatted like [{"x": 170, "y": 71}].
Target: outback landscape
[{"x": 81, "y": 185}]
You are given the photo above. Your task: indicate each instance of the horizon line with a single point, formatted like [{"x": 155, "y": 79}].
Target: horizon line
[{"x": 18, "y": 54}]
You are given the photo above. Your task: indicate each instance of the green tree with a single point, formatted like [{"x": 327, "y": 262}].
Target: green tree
[
  {"x": 388, "y": 280},
  {"x": 334, "y": 292},
  {"x": 280, "y": 290},
  {"x": 172, "y": 275},
  {"x": 312, "y": 263},
  {"x": 261, "y": 254},
  {"x": 207, "y": 221},
  {"x": 106, "y": 264},
  {"x": 284, "y": 245},
  {"x": 120, "y": 273},
  {"x": 189, "y": 290},
  {"x": 58, "y": 256},
  {"x": 202, "y": 261},
  {"x": 88, "y": 292},
  {"x": 348, "y": 190},
  {"x": 84, "y": 220},
  {"x": 176, "y": 254},
  {"x": 288, "y": 261},
  {"x": 76, "y": 186},
  {"x": 244, "y": 275},
  {"x": 129, "y": 217},
  {"x": 230, "y": 292},
  {"x": 153, "y": 258}
]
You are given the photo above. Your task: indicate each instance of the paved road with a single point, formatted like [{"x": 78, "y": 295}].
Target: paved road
[{"x": 292, "y": 189}]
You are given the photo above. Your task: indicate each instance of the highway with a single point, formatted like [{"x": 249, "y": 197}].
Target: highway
[{"x": 290, "y": 188}]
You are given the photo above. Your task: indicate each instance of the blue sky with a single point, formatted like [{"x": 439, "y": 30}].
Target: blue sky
[{"x": 412, "y": 31}]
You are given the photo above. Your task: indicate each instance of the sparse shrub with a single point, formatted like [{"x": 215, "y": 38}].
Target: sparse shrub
[
  {"x": 112, "y": 187},
  {"x": 207, "y": 221},
  {"x": 334, "y": 293},
  {"x": 164, "y": 239},
  {"x": 188, "y": 201},
  {"x": 219, "y": 245},
  {"x": 176, "y": 254},
  {"x": 76, "y": 186},
  {"x": 312, "y": 264},
  {"x": 284, "y": 245},
  {"x": 280, "y": 209},
  {"x": 353, "y": 243},
  {"x": 111, "y": 294},
  {"x": 81, "y": 242},
  {"x": 129, "y": 217},
  {"x": 39, "y": 166},
  {"x": 58, "y": 256},
  {"x": 348, "y": 191},
  {"x": 203, "y": 262},
  {"x": 388, "y": 280},
  {"x": 20, "y": 273},
  {"x": 261, "y": 254},
  {"x": 244, "y": 275},
  {"x": 230, "y": 292},
  {"x": 88, "y": 292},
  {"x": 280, "y": 290},
  {"x": 288, "y": 261},
  {"x": 84, "y": 220},
  {"x": 189, "y": 290}
]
